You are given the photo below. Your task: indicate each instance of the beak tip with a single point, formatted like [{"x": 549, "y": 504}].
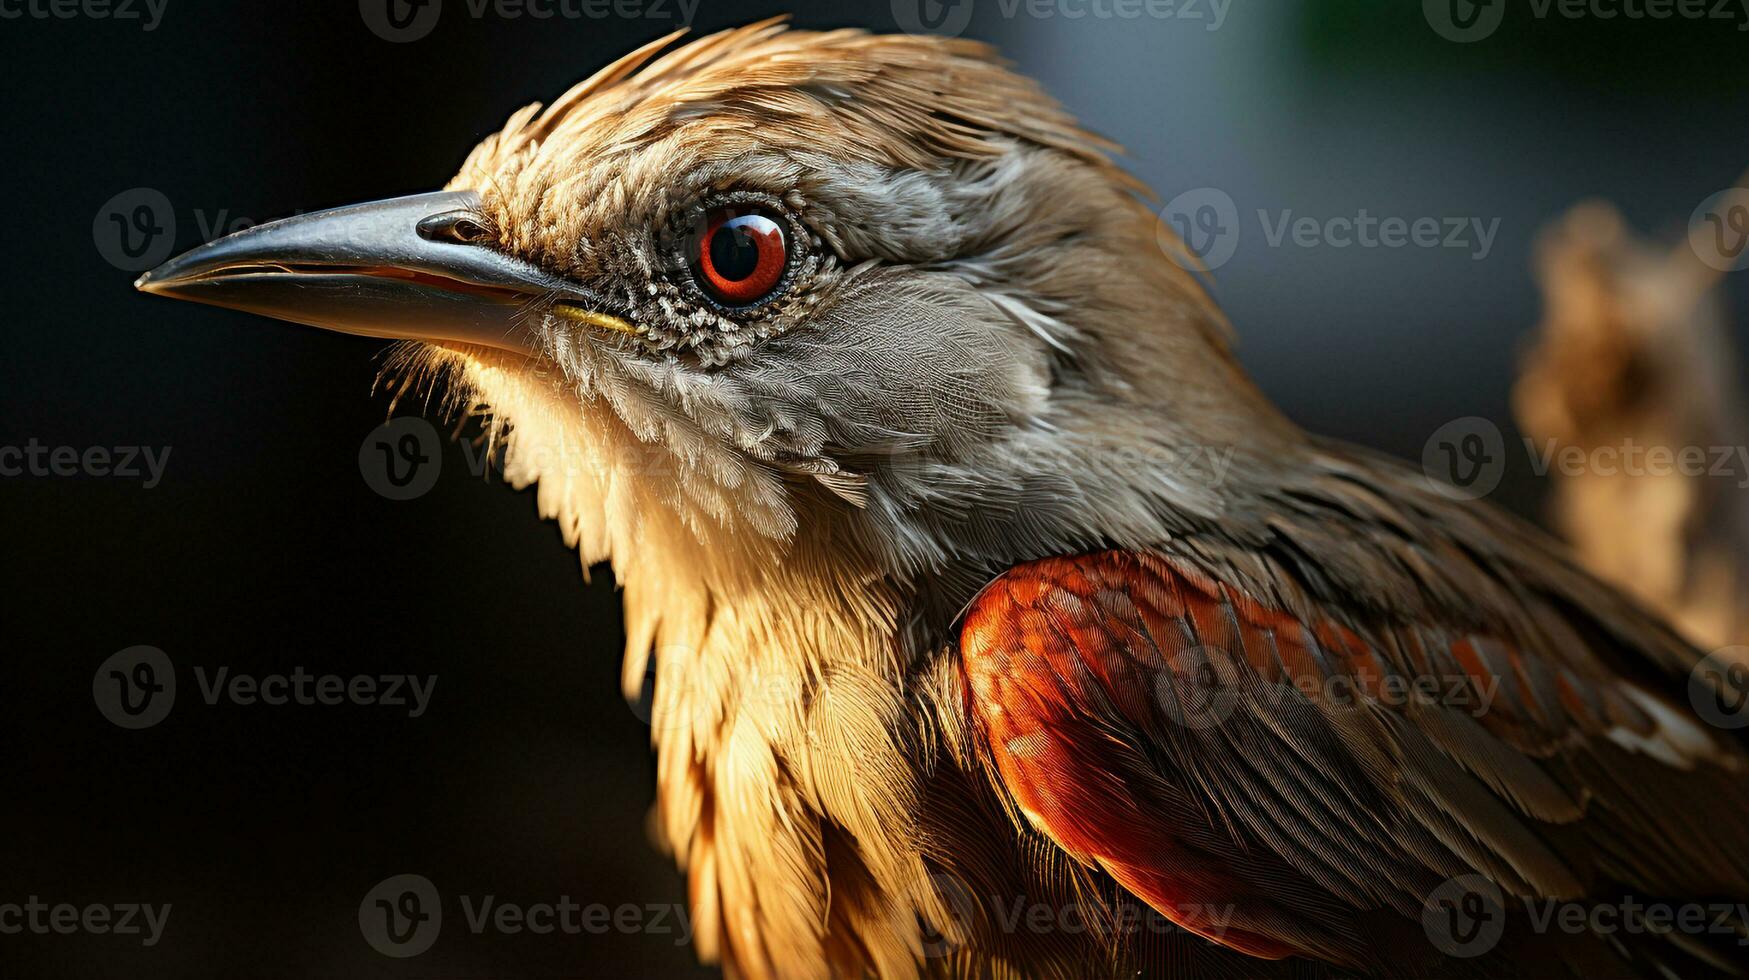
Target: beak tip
[
  {"x": 153, "y": 281},
  {"x": 161, "y": 281}
]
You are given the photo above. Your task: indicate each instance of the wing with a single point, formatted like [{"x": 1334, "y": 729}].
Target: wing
[{"x": 1304, "y": 785}]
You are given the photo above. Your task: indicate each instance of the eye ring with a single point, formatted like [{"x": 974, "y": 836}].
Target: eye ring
[{"x": 741, "y": 259}]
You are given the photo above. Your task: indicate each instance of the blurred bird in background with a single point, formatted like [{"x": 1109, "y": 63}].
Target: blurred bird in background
[
  {"x": 978, "y": 577},
  {"x": 1635, "y": 349}
]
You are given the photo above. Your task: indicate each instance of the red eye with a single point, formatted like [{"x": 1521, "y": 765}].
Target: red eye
[{"x": 741, "y": 257}]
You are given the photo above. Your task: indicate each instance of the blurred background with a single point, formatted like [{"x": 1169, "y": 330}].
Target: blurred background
[{"x": 260, "y": 548}]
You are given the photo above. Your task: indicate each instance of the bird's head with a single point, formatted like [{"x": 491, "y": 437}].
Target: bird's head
[{"x": 776, "y": 284}]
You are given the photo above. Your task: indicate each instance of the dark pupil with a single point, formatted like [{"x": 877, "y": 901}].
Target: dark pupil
[{"x": 734, "y": 252}]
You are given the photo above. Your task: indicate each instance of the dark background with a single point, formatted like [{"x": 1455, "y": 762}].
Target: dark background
[{"x": 529, "y": 778}]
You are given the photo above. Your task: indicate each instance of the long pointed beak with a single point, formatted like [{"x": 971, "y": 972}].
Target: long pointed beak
[{"x": 406, "y": 268}]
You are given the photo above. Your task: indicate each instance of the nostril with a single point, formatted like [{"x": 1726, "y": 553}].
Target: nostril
[{"x": 459, "y": 227}]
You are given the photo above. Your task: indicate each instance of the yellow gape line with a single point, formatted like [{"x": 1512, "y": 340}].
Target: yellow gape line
[{"x": 594, "y": 319}]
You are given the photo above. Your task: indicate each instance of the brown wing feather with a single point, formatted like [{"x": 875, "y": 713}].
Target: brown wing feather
[{"x": 1316, "y": 777}]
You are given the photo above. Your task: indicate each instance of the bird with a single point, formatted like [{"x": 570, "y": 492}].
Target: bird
[{"x": 997, "y": 625}]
